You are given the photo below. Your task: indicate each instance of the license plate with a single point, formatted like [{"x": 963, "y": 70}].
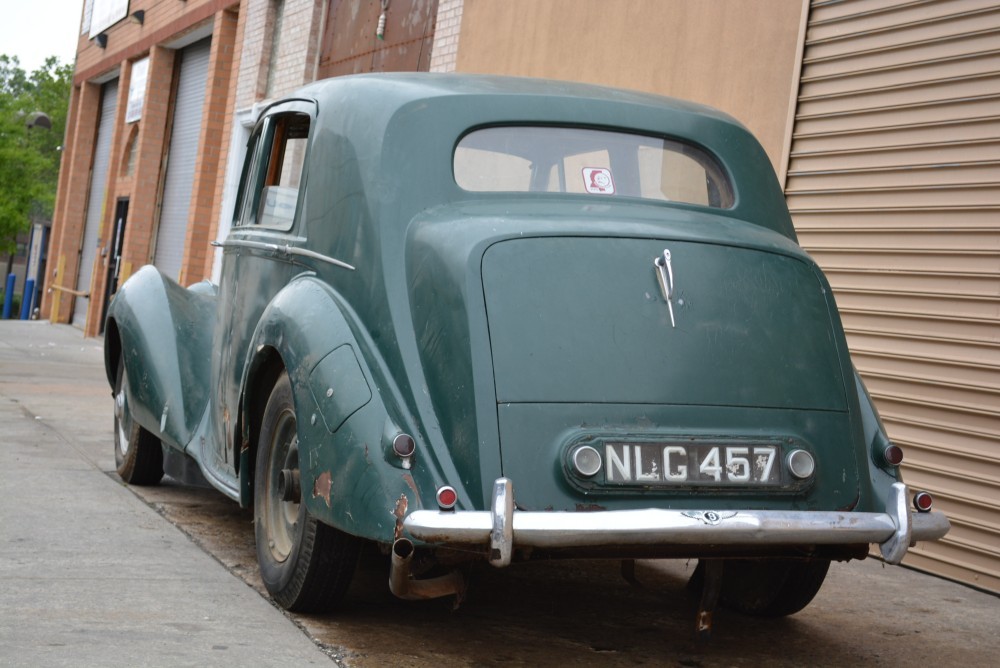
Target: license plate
[{"x": 665, "y": 464}]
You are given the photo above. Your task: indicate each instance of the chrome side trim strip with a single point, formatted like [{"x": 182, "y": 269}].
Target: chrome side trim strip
[{"x": 285, "y": 250}]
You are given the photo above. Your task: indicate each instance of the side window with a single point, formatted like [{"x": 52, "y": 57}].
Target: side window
[{"x": 269, "y": 186}]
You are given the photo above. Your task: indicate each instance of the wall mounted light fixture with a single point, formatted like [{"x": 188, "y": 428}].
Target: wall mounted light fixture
[
  {"x": 139, "y": 16},
  {"x": 102, "y": 40}
]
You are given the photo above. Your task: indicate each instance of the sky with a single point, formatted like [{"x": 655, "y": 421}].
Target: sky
[{"x": 33, "y": 30}]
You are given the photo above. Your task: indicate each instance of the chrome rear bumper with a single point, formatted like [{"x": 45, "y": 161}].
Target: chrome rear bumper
[{"x": 503, "y": 528}]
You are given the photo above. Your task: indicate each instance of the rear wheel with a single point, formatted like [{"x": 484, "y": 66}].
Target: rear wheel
[
  {"x": 138, "y": 453},
  {"x": 305, "y": 564},
  {"x": 771, "y": 587}
]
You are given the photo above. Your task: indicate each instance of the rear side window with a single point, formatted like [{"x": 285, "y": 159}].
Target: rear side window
[
  {"x": 269, "y": 187},
  {"x": 589, "y": 162}
]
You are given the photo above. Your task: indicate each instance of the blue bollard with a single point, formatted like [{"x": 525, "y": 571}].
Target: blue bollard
[
  {"x": 8, "y": 296},
  {"x": 29, "y": 293}
]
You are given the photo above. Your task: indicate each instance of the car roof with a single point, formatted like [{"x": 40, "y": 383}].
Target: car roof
[
  {"x": 398, "y": 89},
  {"x": 409, "y": 123}
]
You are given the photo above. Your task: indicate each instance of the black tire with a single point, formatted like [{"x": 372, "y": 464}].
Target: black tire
[
  {"x": 305, "y": 564},
  {"x": 138, "y": 453},
  {"x": 771, "y": 587}
]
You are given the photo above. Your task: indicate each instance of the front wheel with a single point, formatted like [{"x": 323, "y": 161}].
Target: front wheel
[
  {"x": 138, "y": 453},
  {"x": 305, "y": 564},
  {"x": 771, "y": 587}
]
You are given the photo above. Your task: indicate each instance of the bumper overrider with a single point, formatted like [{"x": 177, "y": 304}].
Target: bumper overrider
[{"x": 503, "y": 528}]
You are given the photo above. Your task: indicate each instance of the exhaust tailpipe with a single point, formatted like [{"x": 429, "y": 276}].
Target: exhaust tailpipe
[{"x": 405, "y": 587}]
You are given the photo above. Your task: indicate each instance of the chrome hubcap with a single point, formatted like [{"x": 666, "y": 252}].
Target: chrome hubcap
[
  {"x": 121, "y": 416},
  {"x": 281, "y": 516}
]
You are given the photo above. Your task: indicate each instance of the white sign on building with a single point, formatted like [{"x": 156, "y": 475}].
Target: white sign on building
[
  {"x": 137, "y": 90},
  {"x": 106, "y": 13}
]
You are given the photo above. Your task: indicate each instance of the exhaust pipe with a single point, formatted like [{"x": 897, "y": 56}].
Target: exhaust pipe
[{"x": 405, "y": 587}]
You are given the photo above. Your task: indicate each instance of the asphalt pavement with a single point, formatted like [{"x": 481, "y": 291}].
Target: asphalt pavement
[{"x": 90, "y": 575}]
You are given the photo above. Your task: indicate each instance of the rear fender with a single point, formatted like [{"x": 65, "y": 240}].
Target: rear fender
[
  {"x": 882, "y": 475},
  {"x": 163, "y": 332},
  {"x": 348, "y": 480}
]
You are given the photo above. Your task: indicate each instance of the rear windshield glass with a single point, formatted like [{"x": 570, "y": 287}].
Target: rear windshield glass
[{"x": 589, "y": 162}]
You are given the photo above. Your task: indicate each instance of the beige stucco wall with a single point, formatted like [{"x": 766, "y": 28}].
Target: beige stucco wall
[{"x": 736, "y": 55}]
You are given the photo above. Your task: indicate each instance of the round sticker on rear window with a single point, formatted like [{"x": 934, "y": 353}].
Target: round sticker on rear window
[{"x": 598, "y": 181}]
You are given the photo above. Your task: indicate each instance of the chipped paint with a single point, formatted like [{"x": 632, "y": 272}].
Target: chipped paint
[
  {"x": 408, "y": 479},
  {"x": 322, "y": 486},
  {"x": 400, "y": 512},
  {"x": 587, "y": 508}
]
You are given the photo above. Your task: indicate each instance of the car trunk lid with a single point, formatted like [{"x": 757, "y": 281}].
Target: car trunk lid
[
  {"x": 585, "y": 351},
  {"x": 584, "y": 320}
]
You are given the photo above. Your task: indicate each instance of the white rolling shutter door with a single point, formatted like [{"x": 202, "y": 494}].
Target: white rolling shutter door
[
  {"x": 894, "y": 187},
  {"x": 179, "y": 179},
  {"x": 95, "y": 199}
]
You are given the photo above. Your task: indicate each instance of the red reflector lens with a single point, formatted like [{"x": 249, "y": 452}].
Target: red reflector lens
[
  {"x": 403, "y": 445},
  {"x": 447, "y": 498},
  {"x": 922, "y": 501},
  {"x": 893, "y": 455}
]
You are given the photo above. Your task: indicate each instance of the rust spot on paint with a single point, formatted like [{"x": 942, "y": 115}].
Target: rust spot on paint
[
  {"x": 408, "y": 479},
  {"x": 853, "y": 504},
  {"x": 588, "y": 508},
  {"x": 400, "y": 512},
  {"x": 322, "y": 485}
]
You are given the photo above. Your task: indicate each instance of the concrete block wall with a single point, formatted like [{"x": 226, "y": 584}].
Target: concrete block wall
[
  {"x": 446, "y": 33},
  {"x": 293, "y": 62}
]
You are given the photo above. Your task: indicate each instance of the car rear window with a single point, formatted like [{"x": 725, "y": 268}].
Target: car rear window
[{"x": 589, "y": 162}]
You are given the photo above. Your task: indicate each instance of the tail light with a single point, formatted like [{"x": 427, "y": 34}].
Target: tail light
[
  {"x": 923, "y": 501},
  {"x": 447, "y": 497},
  {"x": 403, "y": 445},
  {"x": 892, "y": 455}
]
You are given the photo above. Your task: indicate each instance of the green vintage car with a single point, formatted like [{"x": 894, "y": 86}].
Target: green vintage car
[{"x": 494, "y": 319}]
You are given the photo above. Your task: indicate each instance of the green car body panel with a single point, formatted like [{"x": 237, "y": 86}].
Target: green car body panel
[{"x": 501, "y": 329}]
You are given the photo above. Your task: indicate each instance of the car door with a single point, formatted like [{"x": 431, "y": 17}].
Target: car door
[{"x": 253, "y": 267}]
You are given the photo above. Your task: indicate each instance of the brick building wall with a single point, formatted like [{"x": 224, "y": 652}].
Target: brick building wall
[
  {"x": 71, "y": 201},
  {"x": 261, "y": 50},
  {"x": 138, "y": 149},
  {"x": 211, "y": 159}
]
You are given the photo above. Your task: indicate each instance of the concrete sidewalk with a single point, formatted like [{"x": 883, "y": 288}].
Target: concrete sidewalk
[{"x": 89, "y": 574}]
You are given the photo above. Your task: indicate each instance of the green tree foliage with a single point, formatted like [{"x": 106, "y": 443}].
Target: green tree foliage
[{"x": 29, "y": 157}]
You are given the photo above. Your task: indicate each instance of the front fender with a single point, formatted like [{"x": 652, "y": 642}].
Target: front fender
[
  {"x": 348, "y": 476},
  {"x": 164, "y": 333}
]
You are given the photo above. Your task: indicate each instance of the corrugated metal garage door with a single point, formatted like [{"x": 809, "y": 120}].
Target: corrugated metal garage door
[
  {"x": 894, "y": 186},
  {"x": 179, "y": 179},
  {"x": 95, "y": 199}
]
